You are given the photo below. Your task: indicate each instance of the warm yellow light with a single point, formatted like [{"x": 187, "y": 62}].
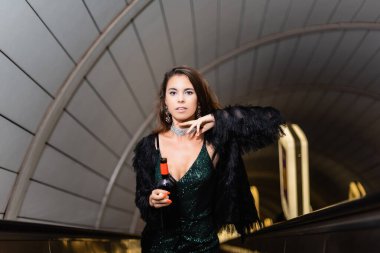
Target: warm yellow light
[
  {"x": 235, "y": 249},
  {"x": 356, "y": 190},
  {"x": 255, "y": 194},
  {"x": 268, "y": 222}
]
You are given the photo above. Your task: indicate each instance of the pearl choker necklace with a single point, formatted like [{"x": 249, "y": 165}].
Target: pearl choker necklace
[{"x": 180, "y": 131}]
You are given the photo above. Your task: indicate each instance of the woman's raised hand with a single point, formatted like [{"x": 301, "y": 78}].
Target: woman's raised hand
[
  {"x": 159, "y": 198},
  {"x": 201, "y": 124}
]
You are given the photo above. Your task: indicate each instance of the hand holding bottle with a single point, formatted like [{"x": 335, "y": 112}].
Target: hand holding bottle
[{"x": 159, "y": 198}]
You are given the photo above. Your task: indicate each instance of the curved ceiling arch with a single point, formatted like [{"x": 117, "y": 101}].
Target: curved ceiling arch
[
  {"x": 343, "y": 26},
  {"x": 68, "y": 89},
  {"x": 306, "y": 87}
]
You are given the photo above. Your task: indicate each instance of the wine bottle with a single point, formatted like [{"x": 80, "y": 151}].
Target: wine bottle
[{"x": 166, "y": 183}]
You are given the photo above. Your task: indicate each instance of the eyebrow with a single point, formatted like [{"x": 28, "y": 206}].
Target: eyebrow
[{"x": 185, "y": 89}]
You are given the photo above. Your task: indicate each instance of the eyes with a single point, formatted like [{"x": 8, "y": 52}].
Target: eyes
[{"x": 186, "y": 92}]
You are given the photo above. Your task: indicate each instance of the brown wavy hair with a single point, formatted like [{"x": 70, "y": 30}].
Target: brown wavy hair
[{"x": 206, "y": 98}]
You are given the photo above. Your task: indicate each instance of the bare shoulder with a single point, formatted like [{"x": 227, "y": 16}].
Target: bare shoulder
[{"x": 164, "y": 136}]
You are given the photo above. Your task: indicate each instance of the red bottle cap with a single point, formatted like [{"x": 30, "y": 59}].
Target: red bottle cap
[{"x": 164, "y": 167}]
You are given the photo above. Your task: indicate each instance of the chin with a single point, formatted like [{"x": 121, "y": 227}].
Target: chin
[{"x": 184, "y": 118}]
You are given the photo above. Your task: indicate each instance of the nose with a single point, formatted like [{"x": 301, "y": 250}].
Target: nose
[{"x": 180, "y": 98}]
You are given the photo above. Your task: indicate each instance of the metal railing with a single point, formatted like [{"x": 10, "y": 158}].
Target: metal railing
[
  {"x": 352, "y": 226},
  {"x": 22, "y": 237}
]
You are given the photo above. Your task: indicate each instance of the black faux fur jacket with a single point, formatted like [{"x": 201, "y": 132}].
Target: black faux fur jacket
[{"x": 237, "y": 129}]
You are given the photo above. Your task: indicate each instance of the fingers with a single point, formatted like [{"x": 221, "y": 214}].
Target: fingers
[
  {"x": 191, "y": 123},
  {"x": 192, "y": 130},
  {"x": 159, "y": 198},
  {"x": 195, "y": 127},
  {"x": 199, "y": 126},
  {"x": 159, "y": 194},
  {"x": 159, "y": 205}
]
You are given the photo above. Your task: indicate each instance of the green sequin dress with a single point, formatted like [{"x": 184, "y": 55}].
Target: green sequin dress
[{"x": 195, "y": 231}]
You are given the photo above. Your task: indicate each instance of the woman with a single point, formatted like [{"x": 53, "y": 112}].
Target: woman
[{"x": 203, "y": 145}]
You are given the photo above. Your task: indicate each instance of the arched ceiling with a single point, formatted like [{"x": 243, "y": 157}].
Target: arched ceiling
[{"x": 79, "y": 81}]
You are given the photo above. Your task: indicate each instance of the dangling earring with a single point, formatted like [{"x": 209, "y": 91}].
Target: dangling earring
[
  {"x": 168, "y": 119},
  {"x": 199, "y": 114}
]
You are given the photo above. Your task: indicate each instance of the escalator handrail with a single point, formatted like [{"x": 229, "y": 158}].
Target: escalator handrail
[
  {"x": 27, "y": 230},
  {"x": 348, "y": 215}
]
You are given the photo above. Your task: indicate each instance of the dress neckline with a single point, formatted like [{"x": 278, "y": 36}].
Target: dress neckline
[{"x": 192, "y": 164}]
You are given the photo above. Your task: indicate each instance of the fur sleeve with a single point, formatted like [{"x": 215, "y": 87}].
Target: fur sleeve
[
  {"x": 234, "y": 204},
  {"x": 253, "y": 127},
  {"x": 143, "y": 164}
]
